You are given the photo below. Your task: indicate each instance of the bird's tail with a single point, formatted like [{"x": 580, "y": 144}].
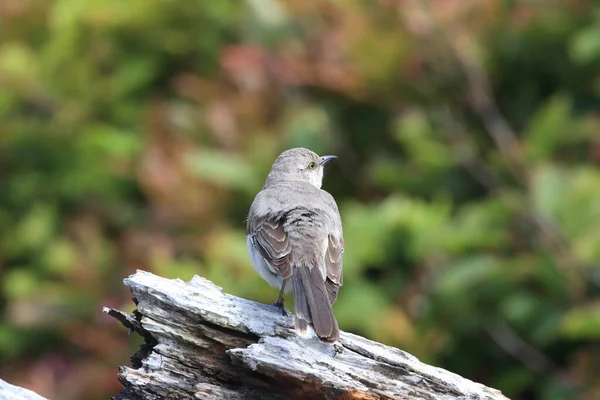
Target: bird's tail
[{"x": 312, "y": 305}]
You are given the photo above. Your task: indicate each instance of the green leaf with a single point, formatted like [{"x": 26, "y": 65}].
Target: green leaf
[
  {"x": 20, "y": 282},
  {"x": 365, "y": 232},
  {"x": 33, "y": 231},
  {"x": 308, "y": 126},
  {"x": 18, "y": 63},
  {"x": 568, "y": 198},
  {"x": 513, "y": 380},
  {"x": 549, "y": 128},
  {"x": 11, "y": 341},
  {"x": 358, "y": 300},
  {"x": 421, "y": 142},
  {"x": 468, "y": 273},
  {"x": 60, "y": 257},
  {"x": 548, "y": 189},
  {"x": 133, "y": 74},
  {"x": 465, "y": 232},
  {"x": 520, "y": 307},
  {"x": 582, "y": 322},
  {"x": 585, "y": 46},
  {"x": 224, "y": 169},
  {"x": 100, "y": 140}
]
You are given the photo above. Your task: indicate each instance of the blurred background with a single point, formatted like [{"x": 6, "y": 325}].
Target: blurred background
[{"x": 135, "y": 134}]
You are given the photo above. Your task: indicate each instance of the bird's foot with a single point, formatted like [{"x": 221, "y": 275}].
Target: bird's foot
[
  {"x": 338, "y": 348},
  {"x": 279, "y": 304}
]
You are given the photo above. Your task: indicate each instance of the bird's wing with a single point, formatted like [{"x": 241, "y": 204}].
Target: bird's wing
[
  {"x": 333, "y": 263},
  {"x": 273, "y": 244}
]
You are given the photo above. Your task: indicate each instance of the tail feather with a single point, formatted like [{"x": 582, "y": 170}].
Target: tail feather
[
  {"x": 312, "y": 304},
  {"x": 300, "y": 304}
]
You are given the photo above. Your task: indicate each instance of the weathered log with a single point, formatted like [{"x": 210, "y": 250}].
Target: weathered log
[
  {"x": 11, "y": 392},
  {"x": 201, "y": 343}
]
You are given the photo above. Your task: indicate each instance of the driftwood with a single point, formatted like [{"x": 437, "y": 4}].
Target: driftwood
[
  {"x": 11, "y": 392},
  {"x": 201, "y": 343}
]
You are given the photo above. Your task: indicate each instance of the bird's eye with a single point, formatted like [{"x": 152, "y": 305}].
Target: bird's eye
[{"x": 312, "y": 165}]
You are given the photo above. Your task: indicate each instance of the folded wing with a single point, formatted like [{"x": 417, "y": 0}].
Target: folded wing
[
  {"x": 274, "y": 246},
  {"x": 333, "y": 263}
]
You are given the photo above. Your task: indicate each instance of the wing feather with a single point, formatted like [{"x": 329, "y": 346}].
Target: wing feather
[
  {"x": 273, "y": 244},
  {"x": 333, "y": 262}
]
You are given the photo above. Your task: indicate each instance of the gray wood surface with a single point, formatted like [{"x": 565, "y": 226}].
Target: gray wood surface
[
  {"x": 11, "y": 392},
  {"x": 201, "y": 343}
]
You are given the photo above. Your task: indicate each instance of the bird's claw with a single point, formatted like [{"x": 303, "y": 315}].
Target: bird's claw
[
  {"x": 338, "y": 348},
  {"x": 280, "y": 306}
]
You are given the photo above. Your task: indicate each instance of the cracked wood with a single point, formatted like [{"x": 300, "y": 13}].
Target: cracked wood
[{"x": 201, "y": 343}]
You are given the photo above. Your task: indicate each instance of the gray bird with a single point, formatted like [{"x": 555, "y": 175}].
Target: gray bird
[{"x": 294, "y": 232}]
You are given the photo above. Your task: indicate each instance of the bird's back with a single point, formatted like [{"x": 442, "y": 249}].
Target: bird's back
[{"x": 295, "y": 233}]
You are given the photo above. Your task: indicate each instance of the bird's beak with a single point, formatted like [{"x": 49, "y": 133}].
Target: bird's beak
[{"x": 326, "y": 159}]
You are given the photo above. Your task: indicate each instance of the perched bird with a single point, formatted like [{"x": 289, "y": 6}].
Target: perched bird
[{"x": 294, "y": 233}]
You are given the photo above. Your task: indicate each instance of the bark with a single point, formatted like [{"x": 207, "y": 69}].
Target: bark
[{"x": 201, "y": 343}]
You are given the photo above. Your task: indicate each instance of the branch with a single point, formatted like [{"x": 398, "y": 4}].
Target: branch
[{"x": 202, "y": 343}]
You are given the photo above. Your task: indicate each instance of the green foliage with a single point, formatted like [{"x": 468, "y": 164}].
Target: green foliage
[
  {"x": 583, "y": 322},
  {"x": 135, "y": 135}
]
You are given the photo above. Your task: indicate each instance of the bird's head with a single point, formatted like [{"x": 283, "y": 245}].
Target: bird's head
[{"x": 299, "y": 164}]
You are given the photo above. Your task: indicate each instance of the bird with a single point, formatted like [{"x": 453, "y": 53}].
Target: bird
[{"x": 295, "y": 240}]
